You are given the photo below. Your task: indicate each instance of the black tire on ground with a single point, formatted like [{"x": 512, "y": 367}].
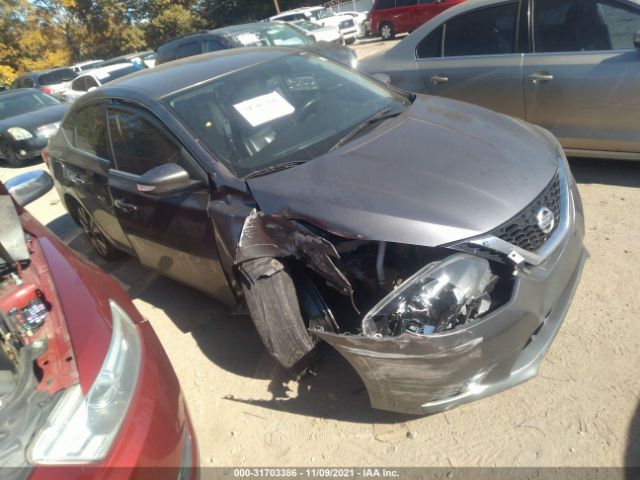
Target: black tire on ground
[
  {"x": 275, "y": 310},
  {"x": 350, "y": 41},
  {"x": 387, "y": 31},
  {"x": 97, "y": 239}
]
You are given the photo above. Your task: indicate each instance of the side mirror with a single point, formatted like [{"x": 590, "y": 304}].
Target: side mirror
[
  {"x": 165, "y": 178},
  {"x": 636, "y": 39},
  {"x": 30, "y": 186},
  {"x": 382, "y": 78}
]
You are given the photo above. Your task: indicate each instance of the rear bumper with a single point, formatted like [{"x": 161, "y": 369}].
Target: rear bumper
[{"x": 427, "y": 374}]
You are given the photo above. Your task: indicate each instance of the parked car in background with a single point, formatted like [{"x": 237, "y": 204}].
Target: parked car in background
[
  {"x": 390, "y": 17},
  {"x": 324, "y": 17},
  {"x": 52, "y": 82},
  {"x": 97, "y": 77},
  {"x": 260, "y": 34},
  {"x": 307, "y": 194},
  {"x": 28, "y": 118},
  {"x": 318, "y": 33},
  {"x": 136, "y": 58},
  {"x": 574, "y": 71},
  {"x": 360, "y": 19},
  {"x": 85, "y": 383},
  {"x": 83, "y": 66}
]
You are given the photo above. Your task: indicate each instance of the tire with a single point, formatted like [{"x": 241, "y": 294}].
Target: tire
[
  {"x": 99, "y": 242},
  {"x": 275, "y": 310},
  {"x": 350, "y": 41},
  {"x": 387, "y": 31}
]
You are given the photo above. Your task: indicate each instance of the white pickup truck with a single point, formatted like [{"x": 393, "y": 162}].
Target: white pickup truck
[{"x": 324, "y": 17}]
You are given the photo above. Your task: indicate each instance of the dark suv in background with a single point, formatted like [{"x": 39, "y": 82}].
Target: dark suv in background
[{"x": 262, "y": 34}]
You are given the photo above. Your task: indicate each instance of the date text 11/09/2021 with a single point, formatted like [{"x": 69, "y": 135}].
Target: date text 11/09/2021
[{"x": 316, "y": 472}]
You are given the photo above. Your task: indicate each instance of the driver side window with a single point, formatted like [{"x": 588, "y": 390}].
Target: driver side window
[{"x": 138, "y": 144}]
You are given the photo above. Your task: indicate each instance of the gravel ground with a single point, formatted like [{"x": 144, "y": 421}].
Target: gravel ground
[{"x": 582, "y": 409}]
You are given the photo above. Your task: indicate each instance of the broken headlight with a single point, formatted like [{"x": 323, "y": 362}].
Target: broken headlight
[{"x": 440, "y": 297}]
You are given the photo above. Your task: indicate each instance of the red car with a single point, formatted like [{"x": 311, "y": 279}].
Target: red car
[
  {"x": 84, "y": 382},
  {"x": 389, "y": 17}
]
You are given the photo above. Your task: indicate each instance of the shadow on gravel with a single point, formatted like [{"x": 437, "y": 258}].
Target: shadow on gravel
[
  {"x": 333, "y": 390},
  {"x": 632, "y": 455},
  {"x": 606, "y": 172}
]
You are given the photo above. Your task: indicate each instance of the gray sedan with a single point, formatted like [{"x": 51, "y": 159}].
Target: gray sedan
[{"x": 571, "y": 66}]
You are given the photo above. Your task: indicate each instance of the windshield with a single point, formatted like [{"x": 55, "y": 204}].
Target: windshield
[
  {"x": 324, "y": 13},
  {"x": 57, "y": 76},
  {"x": 270, "y": 35},
  {"x": 306, "y": 25},
  {"x": 121, "y": 72},
  {"x": 291, "y": 109},
  {"x": 15, "y": 104}
]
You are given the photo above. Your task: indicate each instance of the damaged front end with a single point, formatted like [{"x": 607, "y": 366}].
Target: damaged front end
[{"x": 426, "y": 328}]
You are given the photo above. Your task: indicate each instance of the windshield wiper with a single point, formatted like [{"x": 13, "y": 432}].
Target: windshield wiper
[
  {"x": 273, "y": 168},
  {"x": 383, "y": 114}
]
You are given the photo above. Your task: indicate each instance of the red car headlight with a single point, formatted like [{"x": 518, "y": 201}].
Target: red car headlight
[{"x": 82, "y": 428}]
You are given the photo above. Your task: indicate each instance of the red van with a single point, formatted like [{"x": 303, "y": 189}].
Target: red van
[{"x": 389, "y": 17}]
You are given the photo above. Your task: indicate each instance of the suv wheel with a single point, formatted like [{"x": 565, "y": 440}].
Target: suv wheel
[{"x": 387, "y": 31}]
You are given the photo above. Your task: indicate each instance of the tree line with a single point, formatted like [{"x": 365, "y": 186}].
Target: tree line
[{"x": 38, "y": 34}]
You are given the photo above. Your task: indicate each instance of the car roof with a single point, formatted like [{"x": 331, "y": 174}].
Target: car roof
[
  {"x": 180, "y": 74},
  {"x": 96, "y": 72},
  {"x": 15, "y": 91}
]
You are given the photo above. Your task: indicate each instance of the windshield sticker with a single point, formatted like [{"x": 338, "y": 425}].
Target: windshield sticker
[
  {"x": 260, "y": 110},
  {"x": 248, "y": 39}
]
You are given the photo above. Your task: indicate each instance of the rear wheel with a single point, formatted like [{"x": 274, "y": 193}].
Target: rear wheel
[
  {"x": 278, "y": 313},
  {"x": 387, "y": 31},
  {"x": 98, "y": 240}
]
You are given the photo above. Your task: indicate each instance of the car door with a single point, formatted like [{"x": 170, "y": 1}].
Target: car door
[
  {"x": 402, "y": 17},
  {"x": 475, "y": 57},
  {"x": 581, "y": 81},
  {"x": 172, "y": 232},
  {"x": 83, "y": 165}
]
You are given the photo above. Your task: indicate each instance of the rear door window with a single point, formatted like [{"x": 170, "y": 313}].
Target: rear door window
[
  {"x": 431, "y": 45},
  {"x": 91, "y": 132},
  {"x": 212, "y": 45},
  {"x": 487, "y": 31},
  {"x": 584, "y": 25},
  {"x": 79, "y": 84},
  {"x": 188, "y": 49},
  {"x": 385, "y": 4}
]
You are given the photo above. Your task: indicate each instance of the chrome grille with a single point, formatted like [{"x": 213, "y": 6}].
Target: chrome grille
[{"x": 522, "y": 230}]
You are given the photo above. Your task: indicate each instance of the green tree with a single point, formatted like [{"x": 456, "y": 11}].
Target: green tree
[{"x": 173, "y": 21}]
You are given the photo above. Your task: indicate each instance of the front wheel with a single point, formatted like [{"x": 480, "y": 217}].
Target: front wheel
[
  {"x": 272, "y": 299},
  {"x": 387, "y": 31}
]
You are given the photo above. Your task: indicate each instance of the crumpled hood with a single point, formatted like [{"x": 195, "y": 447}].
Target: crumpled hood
[
  {"x": 36, "y": 118},
  {"x": 441, "y": 172}
]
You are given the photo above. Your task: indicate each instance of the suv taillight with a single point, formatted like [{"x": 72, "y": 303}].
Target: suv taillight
[{"x": 46, "y": 90}]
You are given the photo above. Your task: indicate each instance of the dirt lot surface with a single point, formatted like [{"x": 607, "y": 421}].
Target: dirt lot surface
[{"x": 581, "y": 410}]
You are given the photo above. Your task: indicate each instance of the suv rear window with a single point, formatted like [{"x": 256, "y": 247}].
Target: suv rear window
[
  {"x": 384, "y": 4},
  {"x": 57, "y": 76}
]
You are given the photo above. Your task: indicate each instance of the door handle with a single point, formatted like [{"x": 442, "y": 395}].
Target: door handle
[
  {"x": 438, "y": 79},
  {"x": 125, "y": 206},
  {"x": 541, "y": 77},
  {"x": 77, "y": 179}
]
